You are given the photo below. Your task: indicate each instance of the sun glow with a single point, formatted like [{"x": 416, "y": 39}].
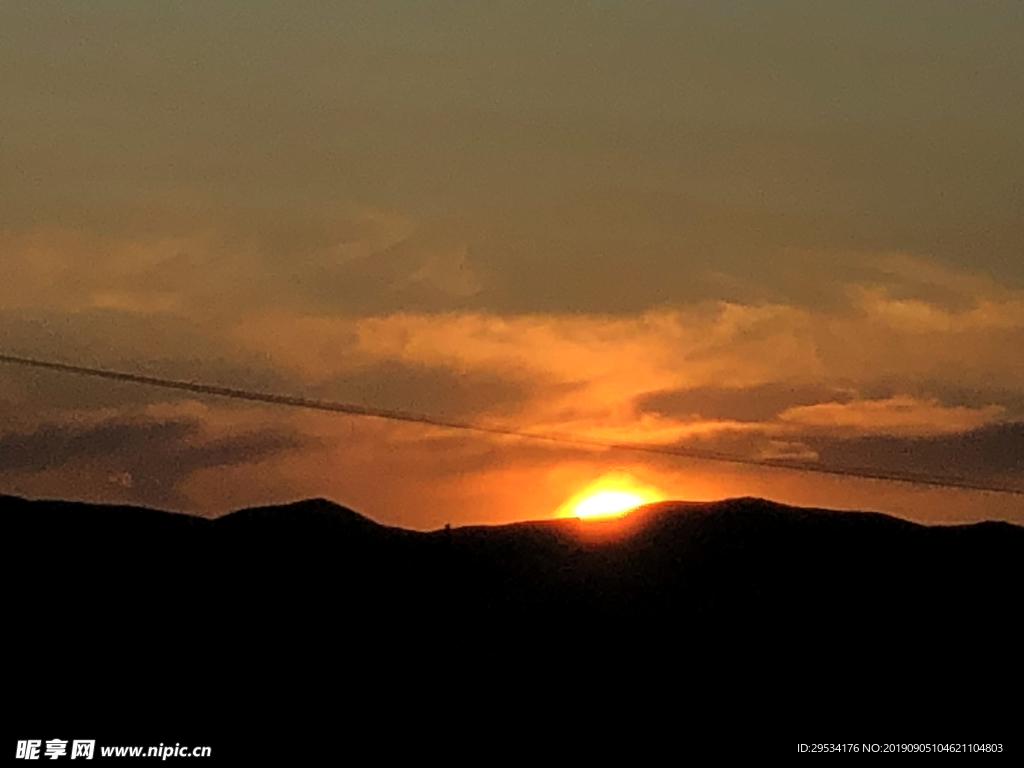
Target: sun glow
[
  {"x": 608, "y": 504},
  {"x": 612, "y": 496}
]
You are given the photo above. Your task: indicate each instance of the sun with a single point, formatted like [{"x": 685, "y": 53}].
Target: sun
[
  {"x": 611, "y": 496},
  {"x": 607, "y": 504}
]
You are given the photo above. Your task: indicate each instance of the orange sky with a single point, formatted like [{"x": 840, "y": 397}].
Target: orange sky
[{"x": 785, "y": 233}]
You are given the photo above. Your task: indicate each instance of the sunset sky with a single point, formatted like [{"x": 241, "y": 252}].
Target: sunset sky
[{"x": 789, "y": 230}]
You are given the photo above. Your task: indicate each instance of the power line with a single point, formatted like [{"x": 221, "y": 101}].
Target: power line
[{"x": 391, "y": 415}]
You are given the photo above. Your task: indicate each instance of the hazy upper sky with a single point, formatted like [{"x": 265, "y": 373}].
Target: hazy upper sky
[{"x": 789, "y": 229}]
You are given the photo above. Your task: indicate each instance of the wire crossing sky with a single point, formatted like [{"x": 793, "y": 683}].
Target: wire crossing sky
[{"x": 380, "y": 413}]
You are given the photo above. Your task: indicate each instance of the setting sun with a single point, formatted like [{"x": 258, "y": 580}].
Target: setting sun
[
  {"x": 613, "y": 495},
  {"x": 607, "y": 504}
]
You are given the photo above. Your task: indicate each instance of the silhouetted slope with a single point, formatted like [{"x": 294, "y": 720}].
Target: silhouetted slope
[{"x": 742, "y": 604}]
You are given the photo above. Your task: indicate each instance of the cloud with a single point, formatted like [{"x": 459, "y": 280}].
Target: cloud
[
  {"x": 900, "y": 415},
  {"x": 761, "y": 402},
  {"x": 663, "y": 369},
  {"x": 142, "y": 461},
  {"x": 992, "y": 453}
]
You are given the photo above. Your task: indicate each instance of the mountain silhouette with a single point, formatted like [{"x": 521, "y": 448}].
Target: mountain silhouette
[{"x": 277, "y": 620}]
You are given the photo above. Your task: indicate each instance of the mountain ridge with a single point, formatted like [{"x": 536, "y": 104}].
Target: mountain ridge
[
  {"x": 321, "y": 506},
  {"x": 268, "y": 604}
]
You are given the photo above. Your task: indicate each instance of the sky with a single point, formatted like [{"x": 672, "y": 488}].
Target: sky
[{"x": 788, "y": 231}]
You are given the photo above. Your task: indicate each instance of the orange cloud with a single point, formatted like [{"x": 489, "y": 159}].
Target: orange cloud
[
  {"x": 210, "y": 307},
  {"x": 901, "y": 415}
]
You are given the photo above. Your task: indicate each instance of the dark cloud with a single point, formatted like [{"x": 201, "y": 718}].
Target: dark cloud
[
  {"x": 993, "y": 453},
  {"x": 54, "y": 445},
  {"x": 764, "y": 402},
  {"x": 148, "y": 459}
]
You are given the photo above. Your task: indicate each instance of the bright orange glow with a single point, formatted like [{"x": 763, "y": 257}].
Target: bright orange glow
[
  {"x": 608, "y": 504},
  {"x": 613, "y": 495}
]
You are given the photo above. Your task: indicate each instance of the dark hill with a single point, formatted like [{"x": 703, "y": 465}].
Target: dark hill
[{"x": 854, "y": 621}]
